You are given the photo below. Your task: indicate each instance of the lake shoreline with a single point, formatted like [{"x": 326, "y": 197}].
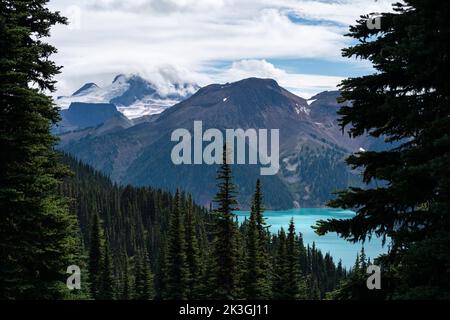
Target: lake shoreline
[{"x": 304, "y": 218}]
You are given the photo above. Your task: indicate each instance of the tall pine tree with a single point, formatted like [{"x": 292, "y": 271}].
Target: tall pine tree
[
  {"x": 36, "y": 231},
  {"x": 107, "y": 285},
  {"x": 126, "y": 292},
  {"x": 96, "y": 257},
  {"x": 225, "y": 251},
  {"x": 280, "y": 277},
  {"x": 193, "y": 258},
  {"x": 177, "y": 267},
  {"x": 406, "y": 101},
  {"x": 293, "y": 264},
  {"x": 256, "y": 276},
  {"x": 143, "y": 288}
]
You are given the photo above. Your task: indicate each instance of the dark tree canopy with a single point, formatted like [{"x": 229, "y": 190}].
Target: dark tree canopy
[
  {"x": 406, "y": 101},
  {"x": 36, "y": 233},
  {"x": 225, "y": 252}
]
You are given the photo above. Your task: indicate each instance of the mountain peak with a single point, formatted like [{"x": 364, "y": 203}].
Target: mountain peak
[
  {"x": 326, "y": 95},
  {"x": 86, "y": 87},
  {"x": 257, "y": 82},
  {"x": 240, "y": 85},
  {"x": 251, "y": 102},
  {"x": 127, "y": 78},
  {"x": 119, "y": 78}
]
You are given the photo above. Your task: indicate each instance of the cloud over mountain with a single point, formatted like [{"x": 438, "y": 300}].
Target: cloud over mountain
[
  {"x": 134, "y": 95},
  {"x": 108, "y": 37}
]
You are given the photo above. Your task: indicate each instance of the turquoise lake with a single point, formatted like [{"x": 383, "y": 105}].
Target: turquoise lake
[{"x": 304, "y": 218}]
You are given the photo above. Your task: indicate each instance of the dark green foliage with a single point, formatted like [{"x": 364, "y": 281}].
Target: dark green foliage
[
  {"x": 143, "y": 285},
  {"x": 256, "y": 276},
  {"x": 319, "y": 171},
  {"x": 37, "y": 235},
  {"x": 135, "y": 219},
  {"x": 138, "y": 278},
  {"x": 135, "y": 222},
  {"x": 95, "y": 257},
  {"x": 292, "y": 264},
  {"x": 193, "y": 256},
  {"x": 101, "y": 279},
  {"x": 161, "y": 273},
  {"x": 148, "y": 289},
  {"x": 177, "y": 268},
  {"x": 407, "y": 102},
  {"x": 314, "y": 277},
  {"x": 81, "y": 256},
  {"x": 225, "y": 251},
  {"x": 354, "y": 287},
  {"x": 94, "y": 193},
  {"x": 279, "y": 278},
  {"x": 126, "y": 287},
  {"x": 107, "y": 284}
]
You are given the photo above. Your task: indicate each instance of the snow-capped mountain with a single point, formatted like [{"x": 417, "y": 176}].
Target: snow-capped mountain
[{"x": 133, "y": 95}]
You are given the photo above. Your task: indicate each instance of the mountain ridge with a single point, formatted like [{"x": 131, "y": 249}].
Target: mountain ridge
[{"x": 311, "y": 153}]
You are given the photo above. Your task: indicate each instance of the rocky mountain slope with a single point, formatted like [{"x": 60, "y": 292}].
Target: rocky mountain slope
[{"x": 312, "y": 146}]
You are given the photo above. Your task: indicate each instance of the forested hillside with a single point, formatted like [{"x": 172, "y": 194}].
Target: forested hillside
[{"x": 143, "y": 243}]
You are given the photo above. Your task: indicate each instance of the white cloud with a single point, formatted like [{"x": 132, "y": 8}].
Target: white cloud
[
  {"x": 141, "y": 36},
  {"x": 165, "y": 6},
  {"x": 304, "y": 85},
  {"x": 344, "y": 12}
]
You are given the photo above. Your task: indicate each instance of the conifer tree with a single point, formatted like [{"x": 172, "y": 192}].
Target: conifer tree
[
  {"x": 315, "y": 291},
  {"x": 293, "y": 263},
  {"x": 148, "y": 288},
  {"x": 279, "y": 277},
  {"x": 161, "y": 273},
  {"x": 95, "y": 257},
  {"x": 177, "y": 267},
  {"x": 82, "y": 262},
  {"x": 225, "y": 252},
  {"x": 303, "y": 255},
  {"x": 126, "y": 285},
  {"x": 101, "y": 278},
  {"x": 138, "y": 278},
  {"x": 405, "y": 102},
  {"x": 106, "y": 284},
  {"x": 36, "y": 232},
  {"x": 207, "y": 280},
  {"x": 192, "y": 251},
  {"x": 256, "y": 275},
  {"x": 144, "y": 289},
  {"x": 339, "y": 270}
]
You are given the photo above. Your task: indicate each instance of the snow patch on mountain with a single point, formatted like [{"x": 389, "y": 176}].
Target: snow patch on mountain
[
  {"x": 133, "y": 95},
  {"x": 303, "y": 109},
  {"x": 289, "y": 166},
  {"x": 146, "y": 107}
]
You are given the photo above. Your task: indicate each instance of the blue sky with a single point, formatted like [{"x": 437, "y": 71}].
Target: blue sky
[{"x": 296, "y": 42}]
